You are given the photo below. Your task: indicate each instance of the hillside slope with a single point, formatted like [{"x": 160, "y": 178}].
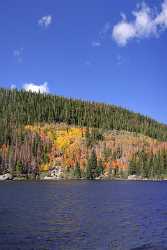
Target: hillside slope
[
  {"x": 88, "y": 140},
  {"x": 115, "y": 149}
]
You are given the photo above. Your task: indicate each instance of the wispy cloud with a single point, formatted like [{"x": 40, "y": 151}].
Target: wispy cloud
[
  {"x": 146, "y": 24},
  {"x": 119, "y": 60},
  {"x": 102, "y": 34},
  {"x": 88, "y": 63},
  {"x": 38, "y": 88},
  {"x": 96, "y": 44},
  {"x": 104, "y": 30},
  {"x": 45, "y": 21},
  {"x": 18, "y": 54}
]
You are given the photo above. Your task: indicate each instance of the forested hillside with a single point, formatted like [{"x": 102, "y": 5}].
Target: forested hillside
[
  {"x": 21, "y": 107},
  {"x": 88, "y": 140}
]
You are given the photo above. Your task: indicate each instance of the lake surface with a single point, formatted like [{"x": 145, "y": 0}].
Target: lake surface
[{"x": 77, "y": 215}]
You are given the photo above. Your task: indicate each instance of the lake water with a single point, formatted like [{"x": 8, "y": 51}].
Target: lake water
[{"x": 77, "y": 215}]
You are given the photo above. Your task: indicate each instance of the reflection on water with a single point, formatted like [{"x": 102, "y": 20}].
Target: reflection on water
[{"x": 78, "y": 215}]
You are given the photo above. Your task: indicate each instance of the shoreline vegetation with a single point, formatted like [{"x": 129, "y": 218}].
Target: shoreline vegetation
[
  {"x": 52, "y": 137},
  {"x": 129, "y": 179}
]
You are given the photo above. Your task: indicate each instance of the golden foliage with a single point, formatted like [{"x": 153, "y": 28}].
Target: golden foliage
[{"x": 69, "y": 145}]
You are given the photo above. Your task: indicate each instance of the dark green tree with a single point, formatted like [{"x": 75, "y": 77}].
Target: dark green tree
[
  {"x": 100, "y": 168},
  {"x": 92, "y": 166}
]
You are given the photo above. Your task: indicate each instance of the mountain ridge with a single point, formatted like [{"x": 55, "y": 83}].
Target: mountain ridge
[{"x": 36, "y": 107}]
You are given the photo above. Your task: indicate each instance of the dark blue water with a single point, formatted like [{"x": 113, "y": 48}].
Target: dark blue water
[{"x": 79, "y": 215}]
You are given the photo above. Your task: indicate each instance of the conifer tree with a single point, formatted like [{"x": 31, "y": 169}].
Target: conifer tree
[
  {"x": 100, "y": 168},
  {"x": 92, "y": 166}
]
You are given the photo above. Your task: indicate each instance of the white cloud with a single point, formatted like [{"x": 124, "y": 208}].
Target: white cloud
[
  {"x": 122, "y": 32},
  {"x": 161, "y": 19},
  {"x": 33, "y": 87},
  {"x": 13, "y": 86},
  {"x": 45, "y": 21},
  {"x": 18, "y": 54},
  {"x": 145, "y": 24}
]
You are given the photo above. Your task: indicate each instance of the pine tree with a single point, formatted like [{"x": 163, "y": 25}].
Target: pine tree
[
  {"x": 132, "y": 170},
  {"x": 92, "y": 166},
  {"x": 100, "y": 168}
]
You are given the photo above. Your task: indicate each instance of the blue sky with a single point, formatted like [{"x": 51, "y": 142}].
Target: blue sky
[{"x": 107, "y": 51}]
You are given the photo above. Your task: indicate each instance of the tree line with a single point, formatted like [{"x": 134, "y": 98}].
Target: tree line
[
  {"x": 149, "y": 165},
  {"x": 20, "y": 107}
]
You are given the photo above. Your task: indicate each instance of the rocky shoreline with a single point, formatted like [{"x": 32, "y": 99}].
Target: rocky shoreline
[{"x": 22, "y": 179}]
